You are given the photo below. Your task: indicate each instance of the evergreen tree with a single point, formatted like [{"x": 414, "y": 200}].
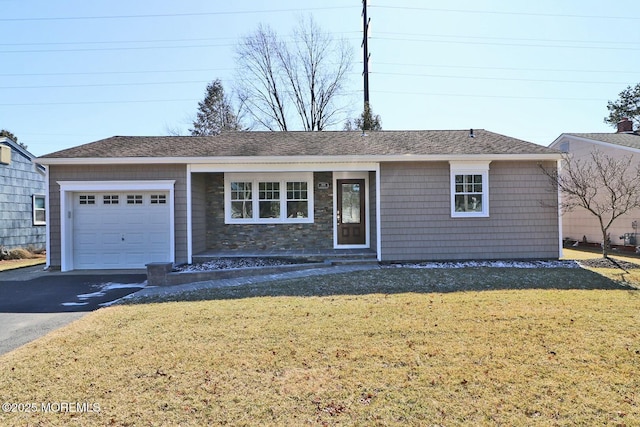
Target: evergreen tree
[
  {"x": 215, "y": 113},
  {"x": 366, "y": 122},
  {"x": 4, "y": 132},
  {"x": 627, "y": 105}
]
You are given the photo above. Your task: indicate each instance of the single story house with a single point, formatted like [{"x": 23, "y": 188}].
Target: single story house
[
  {"x": 579, "y": 224},
  {"x": 22, "y": 198},
  {"x": 125, "y": 201}
]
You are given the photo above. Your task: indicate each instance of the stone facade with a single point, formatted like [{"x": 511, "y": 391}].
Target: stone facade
[
  {"x": 21, "y": 180},
  {"x": 221, "y": 236}
]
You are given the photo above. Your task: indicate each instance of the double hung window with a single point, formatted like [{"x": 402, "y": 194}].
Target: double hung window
[
  {"x": 39, "y": 210},
  {"x": 469, "y": 189}
]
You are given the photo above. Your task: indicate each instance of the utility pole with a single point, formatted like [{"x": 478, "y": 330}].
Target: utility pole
[{"x": 365, "y": 51}]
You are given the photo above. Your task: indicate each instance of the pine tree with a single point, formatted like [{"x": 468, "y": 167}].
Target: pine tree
[
  {"x": 215, "y": 113},
  {"x": 366, "y": 122}
]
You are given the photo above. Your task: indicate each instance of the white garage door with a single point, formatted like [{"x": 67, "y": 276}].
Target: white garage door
[{"x": 120, "y": 230}]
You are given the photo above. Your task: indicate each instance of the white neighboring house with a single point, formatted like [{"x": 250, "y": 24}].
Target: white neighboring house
[{"x": 580, "y": 223}]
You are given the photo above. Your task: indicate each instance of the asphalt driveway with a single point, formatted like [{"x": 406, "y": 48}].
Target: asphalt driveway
[{"x": 34, "y": 302}]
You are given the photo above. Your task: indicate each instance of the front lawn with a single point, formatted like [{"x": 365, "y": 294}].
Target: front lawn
[{"x": 385, "y": 347}]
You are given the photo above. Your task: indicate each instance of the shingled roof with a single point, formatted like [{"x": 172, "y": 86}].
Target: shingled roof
[
  {"x": 287, "y": 144},
  {"x": 631, "y": 140}
]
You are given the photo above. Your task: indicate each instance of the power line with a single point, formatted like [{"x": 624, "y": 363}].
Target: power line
[
  {"x": 83, "y": 73},
  {"x": 31, "y": 104},
  {"x": 102, "y": 49},
  {"x": 616, "y": 42},
  {"x": 104, "y": 85},
  {"x": 505, "y": 44},
  {"x": 495, "y": 12},
  {"x": 470, "y": 95},
  {"x": 442, "y": 76},
  {"x": 140, "y": 41},
  {"x": 173, "y": 15},
  {"x": 568, "y": 70}
]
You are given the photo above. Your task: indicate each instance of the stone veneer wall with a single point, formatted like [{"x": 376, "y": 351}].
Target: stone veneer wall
[{"x": 221, "y": 236}]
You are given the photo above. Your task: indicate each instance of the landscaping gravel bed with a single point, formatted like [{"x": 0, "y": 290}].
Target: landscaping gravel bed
[{"x": 229, "y": 263}]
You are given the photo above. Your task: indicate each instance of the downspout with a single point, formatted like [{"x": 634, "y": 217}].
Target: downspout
[
  {"x": 47, "y": 218},
  {"x": 189, "y": 219},
  {"x": 378, "y": 228},
  {"x": 560, "y": 245}
]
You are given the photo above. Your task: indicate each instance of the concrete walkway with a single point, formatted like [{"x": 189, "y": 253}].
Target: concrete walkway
[{"x": 167, "y": 291}]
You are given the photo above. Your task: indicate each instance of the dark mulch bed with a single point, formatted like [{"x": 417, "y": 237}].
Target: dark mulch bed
[{"x": 608, "y": 263}]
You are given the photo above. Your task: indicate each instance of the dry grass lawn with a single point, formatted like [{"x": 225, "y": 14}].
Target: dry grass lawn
[
  {"x": 11, "y": 264},
  {"x": 630, "y": 277},
  {"x": 500, "y": 357}
]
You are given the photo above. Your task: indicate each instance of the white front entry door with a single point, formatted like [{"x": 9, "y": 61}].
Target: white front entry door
[{"x": 119, "y": 230}]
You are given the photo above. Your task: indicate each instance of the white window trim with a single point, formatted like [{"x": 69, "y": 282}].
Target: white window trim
[
  {"x": 33, "y": 208},
  {"x": 254, "y": 179},
  {"x": 470, "y": 168}
]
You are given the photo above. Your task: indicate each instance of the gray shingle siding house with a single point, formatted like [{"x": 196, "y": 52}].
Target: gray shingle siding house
[
  {"x": 22, "y": 198},
  {"x": 402, "y": 195}
]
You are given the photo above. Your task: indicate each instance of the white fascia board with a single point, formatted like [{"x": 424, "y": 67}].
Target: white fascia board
[
  {"x": 284, "y": 167},
  {"x": 115, "y": 185},
  {"x": 312, "y": 160}
]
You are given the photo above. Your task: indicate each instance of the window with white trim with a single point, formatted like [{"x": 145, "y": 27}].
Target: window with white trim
[
  {"x": 268, "y": 198},
  {"x": 39, "y": 210},
  {"x": 469, "y": 189},
  {"x": 297, "y": 199}
]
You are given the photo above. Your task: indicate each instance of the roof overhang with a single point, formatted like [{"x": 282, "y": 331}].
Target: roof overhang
[{"x": 294, "y": 159}]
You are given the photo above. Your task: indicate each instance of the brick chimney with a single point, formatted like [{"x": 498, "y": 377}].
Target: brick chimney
[{"x": 625, "y": 125}]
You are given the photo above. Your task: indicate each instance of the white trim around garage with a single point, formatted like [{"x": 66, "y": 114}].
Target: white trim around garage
[{"x": 68, "y": 188}]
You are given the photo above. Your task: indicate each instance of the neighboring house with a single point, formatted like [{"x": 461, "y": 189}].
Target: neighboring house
[
  {"x": 579, "y": 224},
  {"x": 22, "y": 198},
  {"x": 125, "y": 201}
]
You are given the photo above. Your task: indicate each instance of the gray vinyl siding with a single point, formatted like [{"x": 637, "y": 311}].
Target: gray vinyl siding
[
  {"x": 19, "y": 181},
  {"x": 199, "y": 212},
  {"x": 119, "y": 173},
  {"x": 416, "y": 221}
]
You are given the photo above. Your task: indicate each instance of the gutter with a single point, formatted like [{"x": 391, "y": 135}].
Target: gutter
[{"x": 292, "y": 159}]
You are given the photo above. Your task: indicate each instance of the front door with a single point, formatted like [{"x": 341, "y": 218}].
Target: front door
[{"x": 351, "y": 212}]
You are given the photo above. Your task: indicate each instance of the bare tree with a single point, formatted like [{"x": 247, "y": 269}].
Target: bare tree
[
  {"x": 304, "y": 78},
  {"x": 606, "y": 186}
]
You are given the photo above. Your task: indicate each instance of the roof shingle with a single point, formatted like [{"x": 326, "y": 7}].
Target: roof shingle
[
  {"x": 631, "y": 140},
  {"x": 328, "y": 143}
]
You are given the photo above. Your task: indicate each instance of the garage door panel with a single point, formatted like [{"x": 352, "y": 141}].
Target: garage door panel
[
  {"x": 120, "y": 235},
  {"x": 110, "y": 238},
  {"x": 134, "y": 240}
]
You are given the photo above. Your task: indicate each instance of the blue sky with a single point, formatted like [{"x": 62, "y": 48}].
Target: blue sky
[{"x": 73, "y": 72}]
